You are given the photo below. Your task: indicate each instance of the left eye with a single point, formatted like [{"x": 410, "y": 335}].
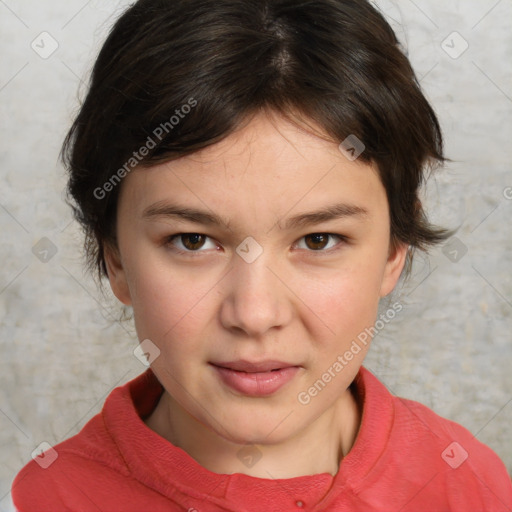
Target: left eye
[{"x": 319, "y": 241}]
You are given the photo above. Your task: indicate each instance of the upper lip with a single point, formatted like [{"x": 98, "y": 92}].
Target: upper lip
[{"x": 254, "y": 367}]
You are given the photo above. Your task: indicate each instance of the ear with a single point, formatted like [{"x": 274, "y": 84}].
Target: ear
[
  {"x": 117, "y": 274},
  {"x": 393, "y": 269}
]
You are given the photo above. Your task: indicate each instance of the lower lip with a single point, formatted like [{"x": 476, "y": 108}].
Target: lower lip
[{"x": 256, "y": 384}]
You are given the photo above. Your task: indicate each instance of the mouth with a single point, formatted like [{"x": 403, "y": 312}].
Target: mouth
[
  {"x": 255, "y": 379},
  {"x": 254, "y": 367}
]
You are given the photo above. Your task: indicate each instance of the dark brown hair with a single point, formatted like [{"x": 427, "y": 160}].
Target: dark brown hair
[{"x": 175, "y": 76}]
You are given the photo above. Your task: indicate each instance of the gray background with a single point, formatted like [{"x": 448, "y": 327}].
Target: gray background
[{"x": 63, "y": 351}]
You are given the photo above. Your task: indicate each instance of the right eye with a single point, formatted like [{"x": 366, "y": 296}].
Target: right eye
[{"x": 188, "y": 243}]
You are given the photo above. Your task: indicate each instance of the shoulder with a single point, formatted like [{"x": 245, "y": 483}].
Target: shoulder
[
  {"x": 88, "y": 467},
  {"x": 58, "y": 476},
  {"x": 462, "y": 464},
  {"x": 433, "y": 461},
  {"x": 444, "y": 440},
  {"x": 413, "y": 418}
]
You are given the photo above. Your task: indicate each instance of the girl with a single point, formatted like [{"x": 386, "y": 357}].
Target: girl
[{"x": 247, "y": 175}]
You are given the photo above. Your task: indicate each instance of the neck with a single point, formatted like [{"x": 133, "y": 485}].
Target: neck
[{"x": 317, "y": 449}]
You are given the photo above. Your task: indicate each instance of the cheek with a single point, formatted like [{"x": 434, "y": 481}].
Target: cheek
[
  {"x": 168, "y": 304},
  {"x": 346, "y": 301}
]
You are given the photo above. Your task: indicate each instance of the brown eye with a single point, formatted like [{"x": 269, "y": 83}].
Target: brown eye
[
  {"x": 189, "y": 243},
  {"x": 317, "y": 241},
  {"x": 322, "y": 242},
  {"x": 192, "y": 241}
]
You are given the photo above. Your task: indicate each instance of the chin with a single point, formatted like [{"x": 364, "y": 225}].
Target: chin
[{"x": 248, "y": 431}]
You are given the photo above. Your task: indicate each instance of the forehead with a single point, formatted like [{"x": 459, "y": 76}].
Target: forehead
[{"x": 269, "y": 165}]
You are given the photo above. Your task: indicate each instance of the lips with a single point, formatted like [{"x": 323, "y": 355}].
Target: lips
[
  {"x": 254, "y": 367},
  {"x": 256, "y": 379}
]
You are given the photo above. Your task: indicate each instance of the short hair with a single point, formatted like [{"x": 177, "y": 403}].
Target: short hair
[{"x": 176, "y": 76}]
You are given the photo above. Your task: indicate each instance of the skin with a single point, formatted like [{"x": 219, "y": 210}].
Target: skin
[{"x": 302, "y": 301}]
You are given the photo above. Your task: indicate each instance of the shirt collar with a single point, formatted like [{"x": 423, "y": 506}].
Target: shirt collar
[{"x": 169, "y": 470}]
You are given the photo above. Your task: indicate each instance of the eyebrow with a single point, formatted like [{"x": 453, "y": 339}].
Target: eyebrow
[{"x": 331, "y": 212}]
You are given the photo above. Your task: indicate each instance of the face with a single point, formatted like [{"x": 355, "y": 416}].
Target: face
[{"x": 269, "y": 247}]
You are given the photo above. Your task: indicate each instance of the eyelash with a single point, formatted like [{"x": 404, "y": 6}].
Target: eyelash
[{"x": 168, "y": 242}]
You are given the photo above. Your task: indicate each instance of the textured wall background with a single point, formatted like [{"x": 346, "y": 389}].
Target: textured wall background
[{"x": 63, "y": 351}]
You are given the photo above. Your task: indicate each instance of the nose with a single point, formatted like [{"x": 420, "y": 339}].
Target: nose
[{"x": 255, "y": 298}]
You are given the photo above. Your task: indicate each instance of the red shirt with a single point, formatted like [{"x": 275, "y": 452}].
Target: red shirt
[{"x": 405, "y": 458}]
